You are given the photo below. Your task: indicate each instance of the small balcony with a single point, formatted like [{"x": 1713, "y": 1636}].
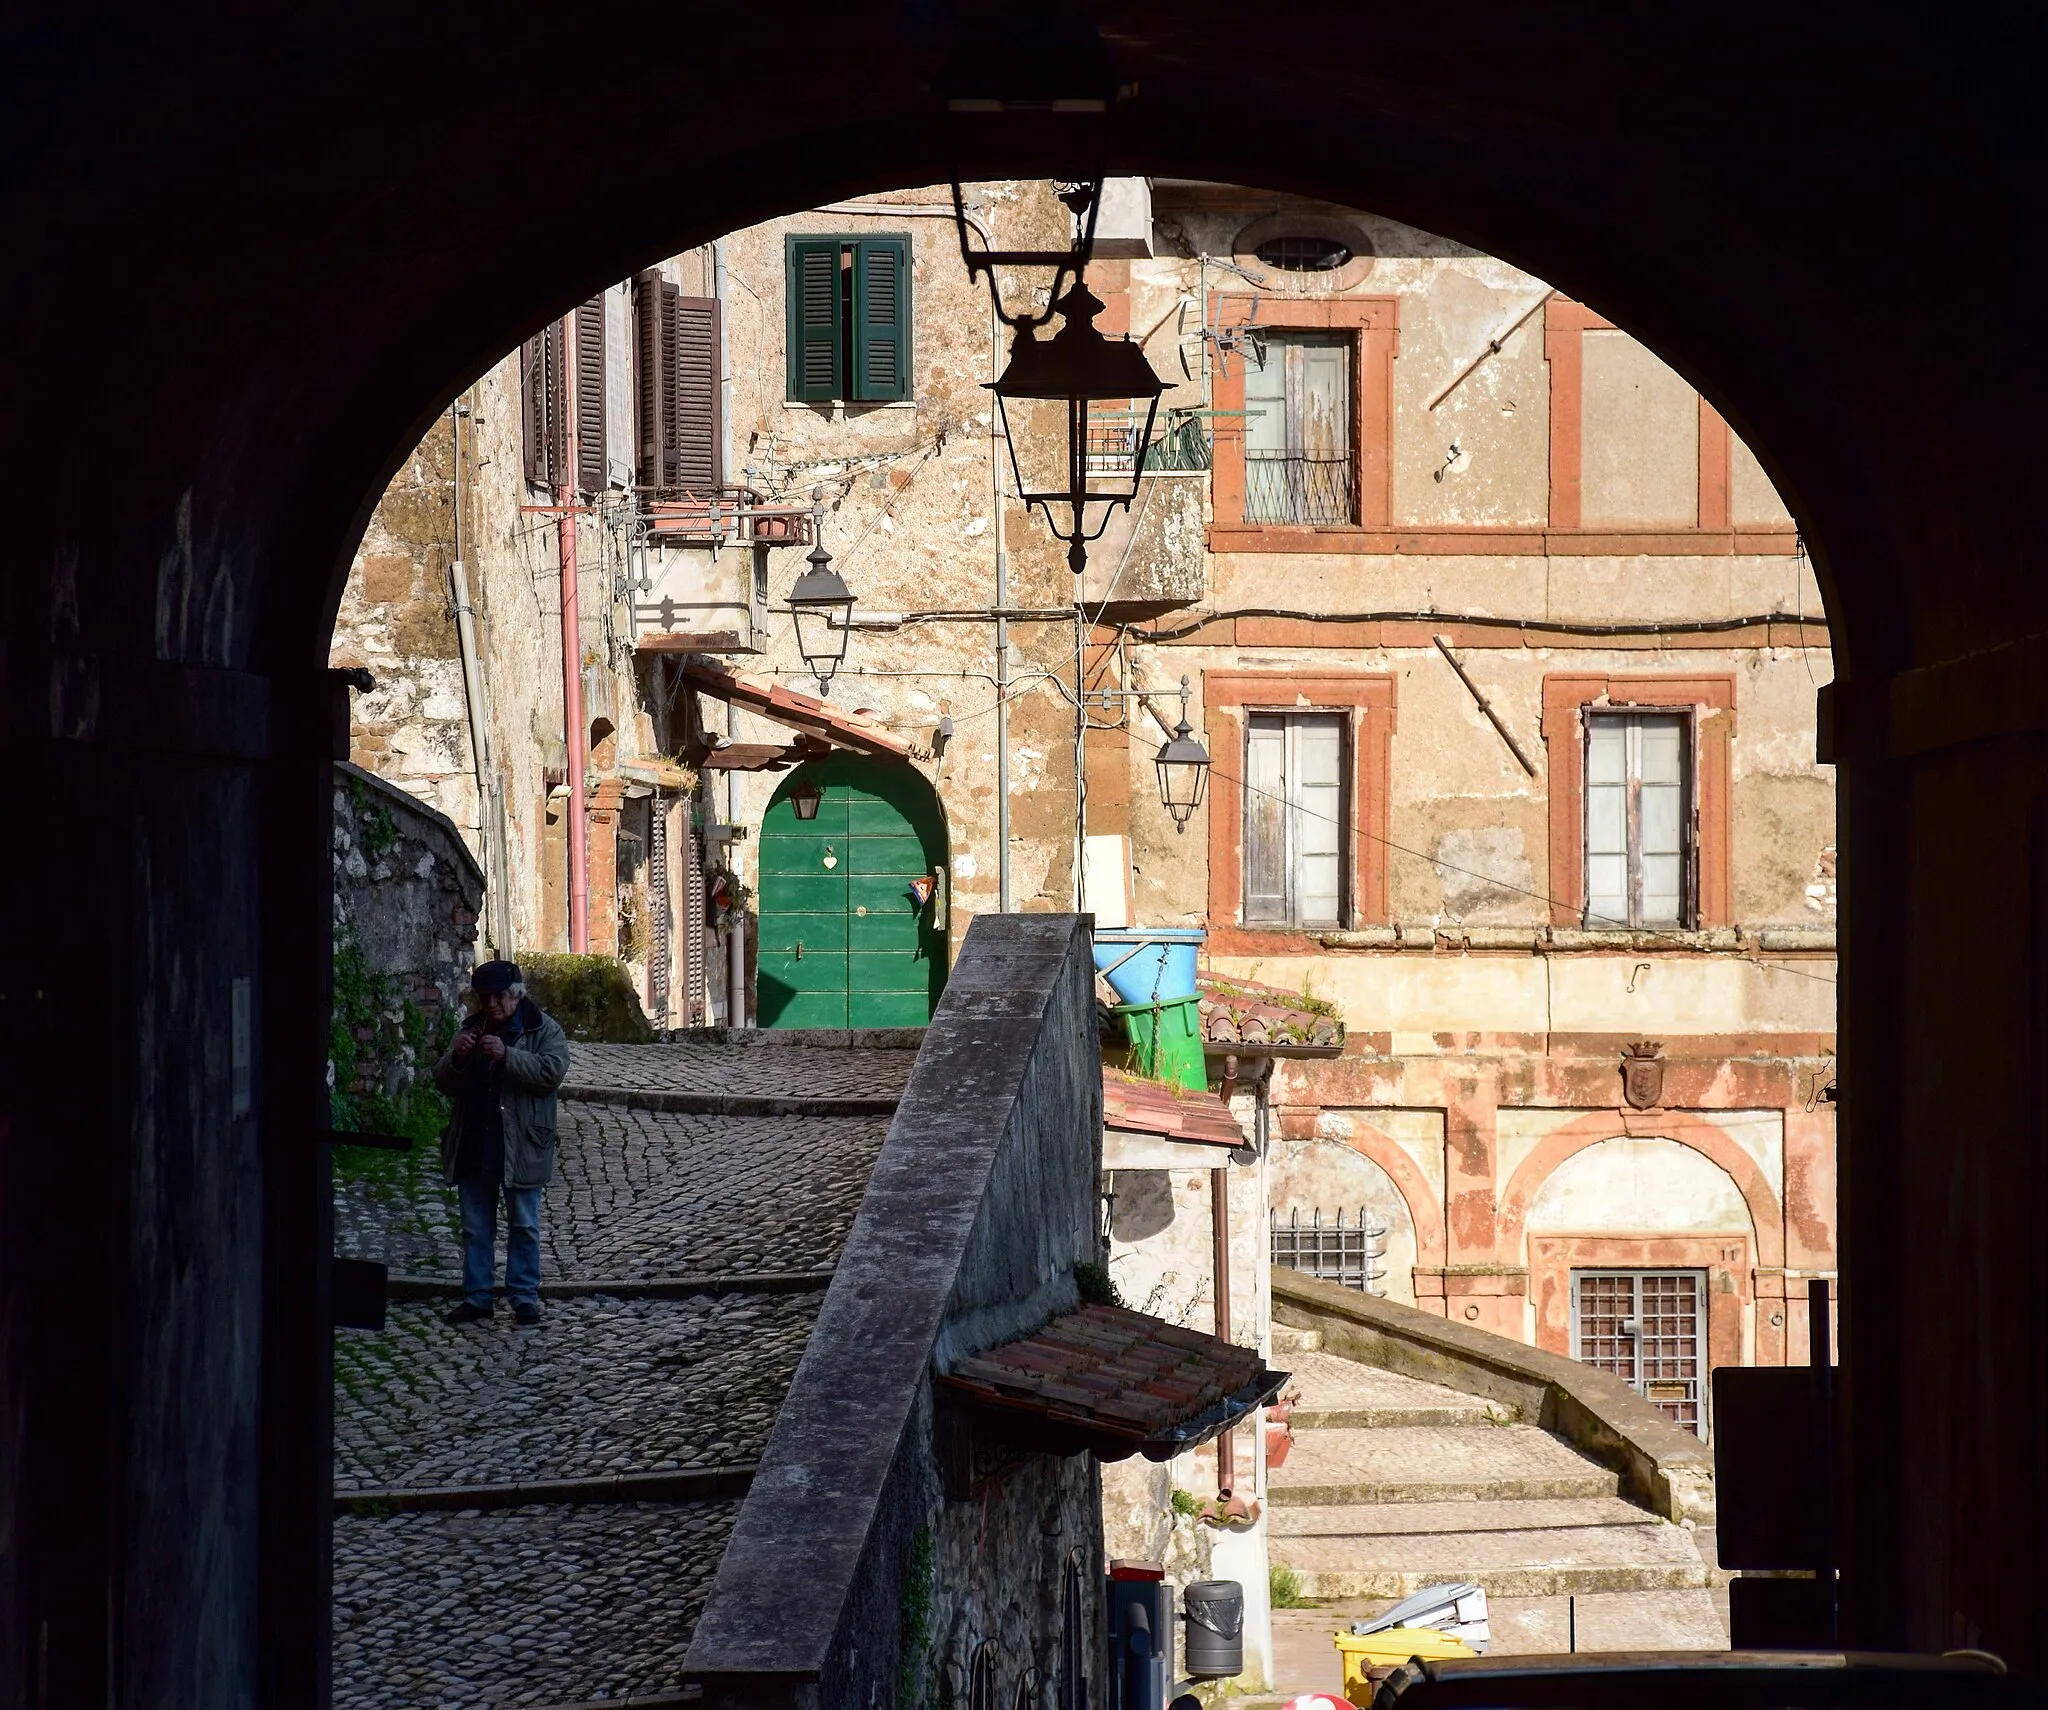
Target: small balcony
[{"x": 721, "y": 516}]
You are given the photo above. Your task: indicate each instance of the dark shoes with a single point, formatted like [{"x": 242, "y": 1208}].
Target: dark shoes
[
  {"x": 526, "y": 1313},
  {"x": 467, "y": 1313}
]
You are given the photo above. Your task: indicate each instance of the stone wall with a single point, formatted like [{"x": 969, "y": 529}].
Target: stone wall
[
  {"x": 855, "y": 1575},
  {"x": 407, "y": 893}
]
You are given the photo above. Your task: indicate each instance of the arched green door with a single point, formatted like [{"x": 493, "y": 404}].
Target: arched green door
[{"x": 845, "y": 942}]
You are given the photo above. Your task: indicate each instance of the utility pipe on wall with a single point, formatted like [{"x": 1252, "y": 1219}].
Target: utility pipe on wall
[
  {"x": 927, "y": 211},
  {"x": 736, "y": 940},
  {"x": 572, "y": 655},
  {"x": 1219, "y": 1220},
  {"x": 473, "y": 692}
]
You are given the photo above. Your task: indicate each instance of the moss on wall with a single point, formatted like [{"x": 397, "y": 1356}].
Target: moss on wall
[{"x": 591, "y": 996}]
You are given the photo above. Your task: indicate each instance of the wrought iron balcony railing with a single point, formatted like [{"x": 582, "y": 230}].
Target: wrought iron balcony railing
[{"x": 1281, "y": 487}]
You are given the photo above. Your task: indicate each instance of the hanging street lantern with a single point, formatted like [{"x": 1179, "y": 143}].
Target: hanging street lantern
[
  {"x": 1183, "y": 766},
  {"x": 822, "y": 606},
  {"x": 1050, "y": 397},
  {"x": 804, "y": 799}
]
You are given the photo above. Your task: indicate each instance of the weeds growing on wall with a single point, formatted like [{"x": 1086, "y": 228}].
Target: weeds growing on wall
[
  {"x": 1095, "y": 1285},
  {"x": 916, "y": 1626},
  {"x": 364, "y": 998},
  {"x": 1283, "y": 1589}
]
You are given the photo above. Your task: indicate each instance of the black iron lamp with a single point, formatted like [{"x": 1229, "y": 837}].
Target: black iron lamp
[
  {"x": 1183, "y": 765},
  {"x": 1048, "y": 396},
  {"x": 804, "y": 799},
  {"x": 822, "y": 605}
]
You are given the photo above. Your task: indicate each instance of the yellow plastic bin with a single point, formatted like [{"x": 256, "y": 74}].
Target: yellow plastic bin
[{"x": 1390, "y": 1649}]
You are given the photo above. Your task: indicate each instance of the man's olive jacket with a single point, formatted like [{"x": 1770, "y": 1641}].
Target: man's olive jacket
[{"x": 536, "y": 1060}]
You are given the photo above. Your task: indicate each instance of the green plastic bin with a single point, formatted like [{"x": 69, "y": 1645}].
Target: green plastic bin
[{"x": 1166, "y": 1041}]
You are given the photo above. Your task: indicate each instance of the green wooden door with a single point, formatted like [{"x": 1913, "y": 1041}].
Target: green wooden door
[{"x": 844, "y": 940}]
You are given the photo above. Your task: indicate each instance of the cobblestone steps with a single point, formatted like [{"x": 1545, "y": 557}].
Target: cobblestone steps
[
  {"x": 684, "y": 1258},
  {"x": 1392, "y": 1485}
]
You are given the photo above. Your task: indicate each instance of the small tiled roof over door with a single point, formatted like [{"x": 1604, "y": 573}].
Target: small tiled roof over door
[
  {"x": 799, "y": 712},
  {"x": 1134, "y": 1106},
  {"x": 1115, "y": 1382}
]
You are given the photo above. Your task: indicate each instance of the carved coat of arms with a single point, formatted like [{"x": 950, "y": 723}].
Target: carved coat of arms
[{"x": 1642, "y": 1074}]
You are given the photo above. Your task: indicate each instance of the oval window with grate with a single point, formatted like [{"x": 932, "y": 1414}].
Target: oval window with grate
[{"x": 1300, "y": 254}]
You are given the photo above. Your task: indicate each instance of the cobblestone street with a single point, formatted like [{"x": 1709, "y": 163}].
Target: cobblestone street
[{"x": 563, "y": 1603}]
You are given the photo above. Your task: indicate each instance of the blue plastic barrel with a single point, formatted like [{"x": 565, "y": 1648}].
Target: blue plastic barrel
[{"x": 1149, "y": 964}]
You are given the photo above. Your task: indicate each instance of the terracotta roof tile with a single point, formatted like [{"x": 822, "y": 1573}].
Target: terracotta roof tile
[
  {"x": 800, "y": 712},
  {"x": 1243, "y": 1012},
  {"x": 1117, "y": 1381},
  {"x": 1135, "y": 1106}
]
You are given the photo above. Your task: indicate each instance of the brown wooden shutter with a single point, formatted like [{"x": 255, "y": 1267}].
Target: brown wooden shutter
[
  {"x": 657, "y": 334},
  {"x": 531, "y": 408},
  {"x": 647, "y": 378},
  {"x": 699, "y": 453},
  {"x": 541, "y": 416},
  {"x": 590, "y": 459}
]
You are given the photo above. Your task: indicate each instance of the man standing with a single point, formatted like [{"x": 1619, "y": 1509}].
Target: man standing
[{"x": 501, "y": 1071}]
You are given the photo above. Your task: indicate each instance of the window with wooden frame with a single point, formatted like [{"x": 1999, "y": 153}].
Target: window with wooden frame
[
  {"x": 1639, "y": 845},
  {"x": 1620, "y": 773},
  {"x": 1303, "y": 447},
  {"x": 849, "y": 318},
  {"x": 676, "y": 367},
  {"x": 1298, "y": 462},
  {"x": 1294, "y": 818}
]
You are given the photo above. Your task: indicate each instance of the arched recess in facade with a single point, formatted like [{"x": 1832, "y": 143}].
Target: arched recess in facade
[
  {"x": 1423, "y": 1200},
  {"x": 1744, "y": 1267}
]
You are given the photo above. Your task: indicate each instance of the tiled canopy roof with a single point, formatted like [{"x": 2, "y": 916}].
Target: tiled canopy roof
[
  {"x": 1244, "y": 1015},
  {"x": 799, "y": 712},
  {"x": 1135, "y": 1106},
  {"x": 1115, "y": 1382}
]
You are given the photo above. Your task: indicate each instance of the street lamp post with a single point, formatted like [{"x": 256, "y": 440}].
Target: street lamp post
[
  {"x": 1182, "y": 763},
  {"x": 1047, "y": 397},
  {"x": 822, "y": 606}
]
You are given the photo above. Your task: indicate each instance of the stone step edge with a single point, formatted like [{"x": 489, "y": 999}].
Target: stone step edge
[
  {"x": 690, "y": 1695},
  {"x": 1647, "y": 1520},
  {"x": 628, "y": 1288},
  {"x": 1591, "y": 1580},
  {"x": 674, "y": 1102},
  {"x": 687, "y": 1484},
  {"x": 1390, "y": 1418},
  {"x": 1565, "y": 1487}
]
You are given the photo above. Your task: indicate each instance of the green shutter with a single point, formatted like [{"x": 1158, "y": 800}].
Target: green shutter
[
  {"x": 813, "y": 294},
  {"x": 881, "y": 319}
]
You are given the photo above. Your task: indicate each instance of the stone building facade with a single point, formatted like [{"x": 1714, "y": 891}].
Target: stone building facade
[{"x": 1501, "y": 641}]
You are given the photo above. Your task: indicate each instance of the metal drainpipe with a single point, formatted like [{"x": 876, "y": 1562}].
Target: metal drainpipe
[
  {"x": 928, "y": 211},
  {"x": 736, "y": 940},
  {"x": 572, "y": 656},
  {"x": 1219, "y": 1223},
  {"x": 473, "y": 698}
]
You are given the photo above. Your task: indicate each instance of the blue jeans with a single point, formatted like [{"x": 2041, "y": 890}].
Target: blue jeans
[{"x": 480, "y": 1241}]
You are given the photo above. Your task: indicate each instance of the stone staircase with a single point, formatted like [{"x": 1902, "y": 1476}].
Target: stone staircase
[{"x": 1393, "y": 1484}]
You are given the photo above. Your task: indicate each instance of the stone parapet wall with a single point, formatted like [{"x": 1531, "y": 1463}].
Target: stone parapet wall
[
  {"x": 980, "y": 1207},
  {"x": 407, "y": 893}
]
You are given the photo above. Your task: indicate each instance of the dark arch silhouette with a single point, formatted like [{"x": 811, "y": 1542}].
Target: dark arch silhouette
[{"x": 249, "y": 257}]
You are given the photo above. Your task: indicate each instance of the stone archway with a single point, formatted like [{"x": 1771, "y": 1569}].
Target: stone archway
[{"x": 203, "y": 476}]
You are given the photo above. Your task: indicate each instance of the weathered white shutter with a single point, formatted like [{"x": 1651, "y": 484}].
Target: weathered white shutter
[
  {"x": 1607, "y": 887},
  {"x": 1265, "y": 819},
  {"x": 1660, "y": 742},
  {"x": 1318, "y": 812},
  {"x": 1322, "y": 398}
]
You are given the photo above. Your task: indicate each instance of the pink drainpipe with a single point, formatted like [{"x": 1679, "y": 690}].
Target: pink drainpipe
[{"x": 572, "y": 664}]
